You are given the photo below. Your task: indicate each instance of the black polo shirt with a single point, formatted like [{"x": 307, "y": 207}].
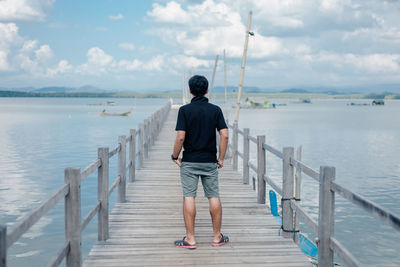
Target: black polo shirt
[{"x": 199, "y": 120}]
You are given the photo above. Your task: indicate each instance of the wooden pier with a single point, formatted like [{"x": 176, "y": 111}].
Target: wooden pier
[
  {"x": 147, "y": 218},
  {"x": 142, "y": 229}
]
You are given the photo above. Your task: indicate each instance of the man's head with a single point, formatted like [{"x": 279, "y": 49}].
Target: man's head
[{"x": 198, "y": 85}]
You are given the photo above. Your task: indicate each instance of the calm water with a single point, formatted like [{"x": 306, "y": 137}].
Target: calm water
[
  {"x": 40, "y": 137},
  {"x": 363, "y": 143}
]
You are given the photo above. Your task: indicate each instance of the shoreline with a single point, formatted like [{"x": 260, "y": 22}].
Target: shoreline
[{"x": 14, "y": 94}]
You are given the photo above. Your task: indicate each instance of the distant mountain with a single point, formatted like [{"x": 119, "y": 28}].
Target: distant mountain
[
  {"x": 89, "y": 89},
  {"x": 22, "y": 89},
  {"x": 53, "y": 89},
  {"x": 295, "y": 91},
  {"x": 246, "y": 89},
  {"x": 62, "y": 89}
]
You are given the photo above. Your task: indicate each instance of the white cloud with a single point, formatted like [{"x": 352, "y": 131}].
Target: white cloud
[
  {"x": 155, "y": 64},
  {"x": 171, "y": 13},
  {"x": 97, "y": 56},
  {"x": 3, "y": 61},
  {"x": 116, "y": 17},
  {"x": 44, "y": 53},
  {"x": 9, "y": 38},
  {"x": 209, "y": 28},
  {"x": 25, "y": 10},
  {"x": 188, "y": 62},
  {"x": 127, "y": 46},
  {"x": 63, "y": 67},
  {"x": 29, "y": 45},
  {"x": 129, "y": 65}
]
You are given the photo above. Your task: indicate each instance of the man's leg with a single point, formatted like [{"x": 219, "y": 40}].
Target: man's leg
[
  {"x": 216, "y": 216},
  {"x": 189, "y": 214}
]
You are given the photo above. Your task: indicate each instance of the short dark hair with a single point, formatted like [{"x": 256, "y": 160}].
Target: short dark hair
[{"x": 198, "y": 85}]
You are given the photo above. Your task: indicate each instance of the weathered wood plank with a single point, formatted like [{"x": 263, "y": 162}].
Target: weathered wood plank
[
  {"x": 16, "y": 230},
  {"x": 142, "y": 229}
]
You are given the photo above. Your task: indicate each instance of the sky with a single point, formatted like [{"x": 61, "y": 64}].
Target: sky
[{"x": 150, "y": 45}]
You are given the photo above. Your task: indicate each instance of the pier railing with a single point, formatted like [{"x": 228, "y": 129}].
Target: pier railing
[
  {"x": 71, "y": 250},
  {"x": 292, "y": 210}
]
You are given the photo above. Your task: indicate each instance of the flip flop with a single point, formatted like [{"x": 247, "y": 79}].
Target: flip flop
[
  {"x": 223, "y": 241},
  {"x": 183, "y": 244}
]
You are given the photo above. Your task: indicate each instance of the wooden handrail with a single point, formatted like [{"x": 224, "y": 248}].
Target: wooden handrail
[
  {"x": 16, "y": 230},
  {"x": 90, "y": 169},
  {"x": 328, "y": 245},
  {"x": 376, "y": 210},
  {"x": 71, "y": 250}
]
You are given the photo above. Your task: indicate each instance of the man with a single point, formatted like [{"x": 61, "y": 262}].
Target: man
[{"x": 196, "y": 131}]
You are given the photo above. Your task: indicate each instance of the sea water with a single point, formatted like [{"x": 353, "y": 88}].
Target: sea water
[
  {"x": 362, "y": 142},
  {"x": 39, "y": 137}
]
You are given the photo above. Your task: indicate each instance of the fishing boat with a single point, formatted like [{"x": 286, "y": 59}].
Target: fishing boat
[
  {"x": 123, "y": 114},
  {"x": 257, "y": 103},
  {"x": 378, "y": 102}
]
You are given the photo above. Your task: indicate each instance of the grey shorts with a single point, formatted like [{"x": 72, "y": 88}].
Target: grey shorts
[{"x": 190, "y": 173}]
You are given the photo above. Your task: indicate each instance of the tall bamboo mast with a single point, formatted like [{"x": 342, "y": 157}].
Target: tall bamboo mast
[
  {"x": 246, "y": 42},
  {"x": 183, "y": 89},
  {"x": 226, "y": 89},
  {"x": 213, "y": 77}
]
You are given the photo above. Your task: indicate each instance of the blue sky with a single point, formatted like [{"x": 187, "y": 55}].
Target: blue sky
[{"x": 148, "y": 45}]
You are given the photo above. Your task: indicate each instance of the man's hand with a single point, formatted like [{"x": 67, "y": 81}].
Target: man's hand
[
  {"x": 179, "y": 162},
  {"x": 220, "y": 163}
]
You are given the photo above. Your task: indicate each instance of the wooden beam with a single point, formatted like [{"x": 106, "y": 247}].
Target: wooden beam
[
  {"x": 122, "y": 169},
  {"x": 287, "y": 192},
  {"x": 102, "y": 194},
  {"x": 260, "y": 169},
  {"x": 3, "y": 246},
  {"x": 246, "y": 155},
  {"x": 132, "y": 156},
  {"x": 73, "y": 217},
  {"x": 235, "y": 146},
  {"x": 326, "y": 219}
]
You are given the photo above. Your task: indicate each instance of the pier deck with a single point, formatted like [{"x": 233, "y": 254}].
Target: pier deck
[{"x": 142, "y": 229}]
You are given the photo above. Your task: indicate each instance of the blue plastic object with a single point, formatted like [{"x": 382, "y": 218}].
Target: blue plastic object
[
  {"x": 307, "y": 246},
  {"x": 274, "y": 206}
]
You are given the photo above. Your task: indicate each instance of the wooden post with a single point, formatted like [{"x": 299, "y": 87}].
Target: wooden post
[
  {"x": 151, "y": 129},
  {"x": 102, "y": 194},
  {"x": 326, "y": 219},
  {"x": 146, "y": 139},
  {"x": 260, "y": 169},
  {"x": 132, "y": 156},
  {"x": 246, "y": 155},
  {"x": 297, "y": 194},
  {"x": 235, "y": 146},
  {"x": 287, "y": 192},
  {"x": 73, "y": 217},
  {"x": 3, "y": 246},
  {"x": 122, "y": 169},
  {"x": 141, "y": 146}
]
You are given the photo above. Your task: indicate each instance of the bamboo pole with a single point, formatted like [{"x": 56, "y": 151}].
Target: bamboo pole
[
  {"x": 183, "y": 89},
  {"x": 213, "y": 76},
  {"x": 226, "y": 90},
  {"x": 246, "y": 42}
]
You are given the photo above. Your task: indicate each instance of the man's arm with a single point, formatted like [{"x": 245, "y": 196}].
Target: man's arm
[
  {"x": 180, "y": 138},
  {"x": 223, "y": 144}
]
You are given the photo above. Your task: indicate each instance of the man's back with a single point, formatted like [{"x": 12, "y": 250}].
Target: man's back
[{"x": 200, "y": 120}]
